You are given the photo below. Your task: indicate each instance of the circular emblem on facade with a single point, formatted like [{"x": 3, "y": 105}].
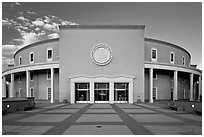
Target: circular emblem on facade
[{"x": 101, "y": 54}]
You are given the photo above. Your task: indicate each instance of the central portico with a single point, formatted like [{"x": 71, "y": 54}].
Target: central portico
[
  {"x": 102, "y": 89},
  {"x": 101, "y": 64}
]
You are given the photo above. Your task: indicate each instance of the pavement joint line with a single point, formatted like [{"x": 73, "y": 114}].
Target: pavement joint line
[
  {"x": 32, "y": 124},
  {"x": 99, "y": 123},
  {"x": 135, "y": 127},
  {"x": 27, "y": 114},
  {"x": 172, "y": 115},
  {"x": 65, "y": 124}
]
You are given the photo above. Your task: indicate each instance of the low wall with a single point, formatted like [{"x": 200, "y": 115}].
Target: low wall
[
  {"x": 189, "y": 106},
  {"x": 10, "y": 105}
]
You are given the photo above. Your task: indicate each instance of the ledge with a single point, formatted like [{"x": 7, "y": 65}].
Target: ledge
[{"x": 102, "y": 27}]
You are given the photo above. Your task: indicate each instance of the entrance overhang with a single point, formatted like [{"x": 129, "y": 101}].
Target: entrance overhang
[{"x": 102, "y": 79}]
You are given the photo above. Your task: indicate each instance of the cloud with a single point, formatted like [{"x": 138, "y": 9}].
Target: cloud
[
  {"x": 53, "y": 35},
  {"x": 9, "y": 50},
  {"x": 38, "y": 23},
  {"x": 22, "y": 18},
  {"x": 28, "y": 38},
  {"x": 6, "y": 22},
  {"x": 199, "y": 66}
]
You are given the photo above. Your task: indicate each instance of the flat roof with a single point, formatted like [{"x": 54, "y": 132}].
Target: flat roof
[
  {"x": 102, "y": 26},
  {"x": 167, "y": 44},
  {"x": 36, "y": 43}
]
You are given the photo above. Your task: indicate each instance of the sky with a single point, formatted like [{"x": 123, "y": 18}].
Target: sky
[{"x": 177, "y": 23}]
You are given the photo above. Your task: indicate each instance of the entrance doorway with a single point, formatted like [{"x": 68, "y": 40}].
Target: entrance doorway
[
  {"x": 82, "y": 93},
  {"x": 121, "y": 92},
  {"x": 101, "y": 92}
]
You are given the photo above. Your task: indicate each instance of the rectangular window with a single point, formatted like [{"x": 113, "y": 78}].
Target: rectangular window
[
  {"x": 19, "y": 78},
  {"x": 31, "y": 57},
  {"x": 20, "y": 60},
  {"x": 49, "y": 54},
  {"x": 49, "y": 93},
  {"x": 155, "y": 74},
  {"x": 172, "y": 57},
  {"x": 184, "y": 93},
  {"x": 154, "y": 93},
  {"x": 154, "y": 55},
  {"x": 82, "y": 92},
  {"x": 31, "y": 75},
  {"x": 19, "y": 92},
  {"x": 48, "y": 74},
  {"x": 32, "y": 92},
  {"x": 183, "y": 60},
  {"x": 121, "y": 91}
]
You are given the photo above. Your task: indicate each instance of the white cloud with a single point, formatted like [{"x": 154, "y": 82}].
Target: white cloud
[
  {"x": 38, "y": 23},
  {"x": 22, "y": 18},
  {"x": 8, "y": 50},
  {"x": 28, "y": 38},
  {"x": 53, "y": 35},
  {"x": 31, "y": 12},
  {"x": 6, "y": 22},
  {"x": 199, "y": 66}
]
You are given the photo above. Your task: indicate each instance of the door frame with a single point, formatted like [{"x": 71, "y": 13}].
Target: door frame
[{"x": 101, "y": 79}]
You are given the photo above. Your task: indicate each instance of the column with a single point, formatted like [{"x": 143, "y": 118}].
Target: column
[
  {"x": 4, "y": 87},
  {"x": 72, "y": 97},
  {"x": 27, "y": 83},
  {"x": 191, "y": 87},
  {"x": 52, "y": 85},
  {"x": 130, "y": 92},
  {"x": 91, "y": 92},
  {"x": 11, "y": 92},
  {"x": 150, "y": 85},
  {"x": 199, "y": 88},
  {"x": 175, "y": 96},
  {"x": 111, "y": 93}
]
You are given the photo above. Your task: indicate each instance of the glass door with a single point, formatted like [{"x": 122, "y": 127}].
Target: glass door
[
  {"x": 121, "y": 92},
  {"x": 82, "y": 92},
  {"x": 101, "y": 92}
]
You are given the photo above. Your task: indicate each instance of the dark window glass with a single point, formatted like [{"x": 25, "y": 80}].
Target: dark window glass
[
  {"x": 154, "y": 54},
  {"x": 49, "y": 54},
  {"x": 31, "y": 75},
  {"x": 31, "y": 57}
]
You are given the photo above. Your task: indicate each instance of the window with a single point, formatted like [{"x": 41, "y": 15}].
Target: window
[
  {"x": 31, "y": 75},
  {"x": 49, "y": 93},
  {"x": 82, "y": 92},
  {"x": 154, "y": 55},
  {"x": 20, "y": 60},
  {"x": 172, "y": 57},
  {"x": 183, "y": 61},
  {"x": 19, "y": 78},
  {"x": 19, "y": 92},
  {"x": 184, "y": 93},
  {"x": 49, "y": 54},
  {"x": 48, "y": 74},
  {"x": 155, "y": 74},
  {"x": 154, "y": 93},
  {"x": 121, "y": 91},
  {"x": 31, "y": 57},
  {"x": 32, "y": 92}
]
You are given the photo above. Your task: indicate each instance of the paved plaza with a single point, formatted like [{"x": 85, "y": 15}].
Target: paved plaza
[{"x": 101, "y": 119}]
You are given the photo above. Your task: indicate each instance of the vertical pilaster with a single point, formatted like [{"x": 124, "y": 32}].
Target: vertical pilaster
[
  {"x": 150, "y": 85},
  {"x": 175, "y": 96},
  {"x": 131, "y": 92},
  {"x": 72, "y": 97},
  {"x": 52, "y": 85},
  {"x": 91, "y": 92},
  {"x": 191, "y": 87},
  {"x": 27, "y": 83},
  {"x": 200, "y": 88},
  {"x": 111, "y": 93},
  {"x": 3, "y": 86},
  {"x": 11, "y": 92}
]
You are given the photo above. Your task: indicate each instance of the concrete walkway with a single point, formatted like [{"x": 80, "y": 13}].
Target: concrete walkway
[{"x": 101, "y": 119}]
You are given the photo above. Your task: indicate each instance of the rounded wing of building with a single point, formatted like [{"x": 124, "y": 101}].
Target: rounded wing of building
[{"x": 102, "y": 64}]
